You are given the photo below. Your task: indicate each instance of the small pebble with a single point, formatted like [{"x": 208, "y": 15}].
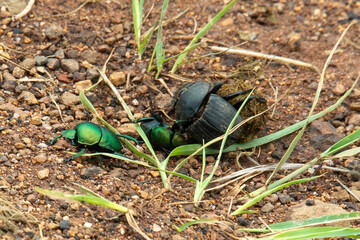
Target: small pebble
[
  {"x": 42, "y": 174},
  {"x": 268, "y": 207},
  {"x": 69, "y": 99},
  {"x": 339, "y": 89},
  {"x": 29, "y": 63},
  {"x": 52, "y": 225},
  {"x": 28, "y": 98},
  {"x": 354, "y": 119},
  {"x": 87, "y": 225},
  {"x": 117, "y": 78},
  {"x": 64, "y": 224},
  {"x": 41, "y": 158},
  {"x": 40, "y": 60},
  {"x": 70, "y": 65},
  {"x": 355, "y": 106},
  {"x": 156, "y": 228},
  {"x": 53, "y": 63}
]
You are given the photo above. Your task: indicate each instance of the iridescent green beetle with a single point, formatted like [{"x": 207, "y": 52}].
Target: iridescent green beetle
[
  {"x": 92, "y": 136},
  {"x": 160, "y": 134}
]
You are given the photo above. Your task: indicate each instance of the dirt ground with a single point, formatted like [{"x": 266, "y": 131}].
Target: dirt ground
[{"x": 66, "y": 50}]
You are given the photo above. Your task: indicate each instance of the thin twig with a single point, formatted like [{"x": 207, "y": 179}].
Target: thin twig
[
  {"x": 127, "y": 85},
  {"x": 25, "y": 10},
  {"x": 266, "y": 225},
  {"x": 195, "y": 25},
  {"x": 165, "y": 86},
  {"x": 176, "y": 77},
  {"x": 57, "y": 106},
  {"x": 266, "y": 56},
  {"x": 276, "y": 91},
  {"x": 348, "y": 189}
]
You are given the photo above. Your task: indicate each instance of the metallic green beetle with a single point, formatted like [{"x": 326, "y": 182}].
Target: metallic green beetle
[
  {"x": 160, "y": 134},
  {"x": 94, "y": 137}
]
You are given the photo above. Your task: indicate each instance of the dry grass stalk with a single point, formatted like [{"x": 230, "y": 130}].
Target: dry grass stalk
[{"x": 275, "y": 58}]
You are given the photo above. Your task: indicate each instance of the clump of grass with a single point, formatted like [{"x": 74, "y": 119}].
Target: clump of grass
[
  {"x": 159, "y": 52},
  {"x": 89, "y": 196},
  {"x": 11, "y": 216}
]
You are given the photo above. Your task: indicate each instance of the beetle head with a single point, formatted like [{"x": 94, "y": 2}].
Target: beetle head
[{"x": 69, "y": 134}]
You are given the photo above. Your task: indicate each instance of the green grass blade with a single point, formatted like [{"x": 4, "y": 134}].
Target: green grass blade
[
  {"x": 117, "y": 156},
  {"x": 346, "y": 141},
  {"x": 147, "y": 38},
  {"x": 315, "y": 233},
  {"x": 286, "y": 178},
  {"x": 92, "y": 109},
  {"x": 201, "y": 33},
  {"x": 83, "y": 198},
  {"x": 137, "y": 8},
  {"x": 348, "y": 153},
  {"x": 315, "y": 221},
  {"x": 159, "y": 44},
  {"x": 287, "y": 154},
  {"x": 290, "y": 129},
  {"x": 268, "y": 192},
  {"x": 187, "y": 224},
  {"x": 199, "y": 192}
]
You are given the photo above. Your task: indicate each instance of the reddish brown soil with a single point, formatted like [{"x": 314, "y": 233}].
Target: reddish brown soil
[{"x": 302, "y": 30}]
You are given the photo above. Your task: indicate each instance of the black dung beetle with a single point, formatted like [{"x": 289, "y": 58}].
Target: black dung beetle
[
  {"x": 203, "y": 115},
  {"x": 159, "y": 134},
  {"x": 92, "y": 136}
]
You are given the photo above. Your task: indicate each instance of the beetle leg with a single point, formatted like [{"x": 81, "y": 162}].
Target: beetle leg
[
  {"x": 235, "y": 94},
  {"x": 101, "y": 165},
  {"x": 55, "y": 139},
  {"x": 216, "y": 87},
  {"x": 82, "y": 151},
  {"x": 127, "y": 137}
]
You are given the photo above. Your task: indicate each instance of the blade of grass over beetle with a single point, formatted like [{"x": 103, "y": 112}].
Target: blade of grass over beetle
[
  {"x": 200, "y": 190},
  {"x": 138, "y": 129},
  {"x": 89, "y": 105},
  {"x": 201, "y": 33},
  {"x": 131, "y": 116}
]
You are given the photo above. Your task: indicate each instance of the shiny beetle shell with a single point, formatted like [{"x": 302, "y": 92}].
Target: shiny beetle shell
[
  {"x": 189, "y": 99},
  {"x": 213, "y": 122}
]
